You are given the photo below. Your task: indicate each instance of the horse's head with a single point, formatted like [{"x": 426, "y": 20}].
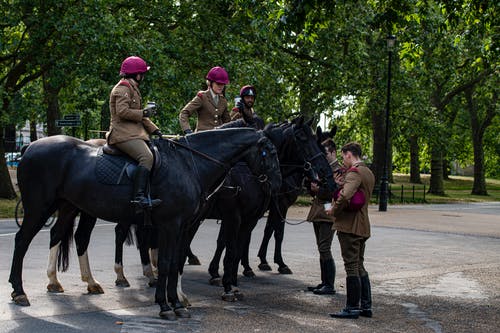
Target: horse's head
[
  {"x": 312, "y": 154},
  {"x": 262, "y": 160}
]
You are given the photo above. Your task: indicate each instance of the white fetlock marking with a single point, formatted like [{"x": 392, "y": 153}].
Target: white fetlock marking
[
  {"x": 180, "y": 294},
  {"x": 119, "y": 272},
  {"x": 51, "y": 267},
  {"x": 85, "y": 272}
]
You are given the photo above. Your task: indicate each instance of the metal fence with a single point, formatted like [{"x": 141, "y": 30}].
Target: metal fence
[{"x": 406, "y": 194}]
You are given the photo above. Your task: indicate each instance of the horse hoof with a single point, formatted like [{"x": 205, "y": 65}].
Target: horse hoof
[
  {"x": 55, "y": 288},
  {"x": 284, "y": 270},
  {"x": 21, "y": 300},
  {"x": 194, "y": 261},
  {"x": 122, "y": 283},
  {"x": 228, "y": 296},
  {"x": 182, "y": 313},
  {"x": 168, "y": 314},
  {"x": 95, "y": 290},
  {"x": 215, "y": 281},
  {"x": 239, "y": 295},
  {"x": 249, "y": 273},
  {"x": 265, "y": 267}
]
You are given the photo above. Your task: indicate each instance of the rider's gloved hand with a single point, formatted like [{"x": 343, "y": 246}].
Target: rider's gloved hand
[
  {"x": 149, "y": 110},
  {"x": 188, "y": 131},
  {"x": 158, "y": 133}
]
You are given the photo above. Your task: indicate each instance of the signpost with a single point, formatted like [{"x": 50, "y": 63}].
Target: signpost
[{"x": 70, "y": 120}]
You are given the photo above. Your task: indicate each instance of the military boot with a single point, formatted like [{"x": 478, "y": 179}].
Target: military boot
[
  {"x": 366, "y": 297},
  {"x": 351, "y": 310},
  {"x": 328, "y": 287},
  {"x": 140, "y": 200}
]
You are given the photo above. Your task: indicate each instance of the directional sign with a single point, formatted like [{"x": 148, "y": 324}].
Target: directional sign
[
  {"x": 72, "y": 117},
  {"x": 68, "y": 123}
]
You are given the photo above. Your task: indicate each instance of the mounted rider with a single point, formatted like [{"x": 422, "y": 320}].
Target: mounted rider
[
  {"x": 210, "y": 106},
  {"x": 244, "y": 107},
  {"x": 130, "y": 127}
]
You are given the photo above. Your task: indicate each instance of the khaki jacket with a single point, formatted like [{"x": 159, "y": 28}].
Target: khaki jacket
[
  {"x": 209, "y": 115},
  {"x": 127, "y": 122},
  {"x": 354, "y": 222},
  {"x": 317, "y": 213},
  {"x": 235, "y": 114}
]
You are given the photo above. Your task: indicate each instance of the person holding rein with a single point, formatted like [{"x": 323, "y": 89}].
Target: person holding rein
[
  {"x": 209, "y": 106},
  {"x": 131, "y": 126}
]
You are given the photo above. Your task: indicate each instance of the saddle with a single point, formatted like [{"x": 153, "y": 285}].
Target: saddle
[{"x": 113, "y": 167}]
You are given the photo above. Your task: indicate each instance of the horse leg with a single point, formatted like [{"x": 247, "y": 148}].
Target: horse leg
[
  {"x": 61, "y": 235},
  {"x": 121, "y": 232},
  {"x": 82, "y": 239},
  {"x": 231, "y": 259},
  {"x": 213, "y": 268},
  {"x": 268, "y": 232},
  {"x": 279, "y": 233},
  {"x": 167, "y": 236},
  {"x": 33, "y": 222},
  {"x": 143, "y": 240},
  {"x": 246, "y": 233}
]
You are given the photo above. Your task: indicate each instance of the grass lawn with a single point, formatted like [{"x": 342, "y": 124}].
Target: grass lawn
[{"x": 457, "y": 189}]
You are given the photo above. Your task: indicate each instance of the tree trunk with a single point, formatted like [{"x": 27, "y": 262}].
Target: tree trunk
[
  {"x": 436, "y": 184},
  {"x": 6, "y": 188},
  {"x": 33, "y": 133},
  {"x": 446, "y": 169},
  {"x": 414, "y": 160},
  {"x": 479, "y": 186},
  {"x": 52, "y": 101}
]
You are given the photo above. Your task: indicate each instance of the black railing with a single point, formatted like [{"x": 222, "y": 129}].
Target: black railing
[{"x": 405, "y": 194}]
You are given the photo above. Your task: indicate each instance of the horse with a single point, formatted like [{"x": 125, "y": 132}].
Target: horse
[
  {"x": 63, "y": 168},
  {"x": 290, "y": 189},
  {"x": 297, "y": 147}
]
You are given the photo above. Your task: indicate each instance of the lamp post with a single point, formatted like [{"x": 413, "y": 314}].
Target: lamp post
[{"x": 384, "y": 184}]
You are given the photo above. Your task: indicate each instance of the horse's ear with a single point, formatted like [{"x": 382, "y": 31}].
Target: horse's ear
[
  {"x": 309, "y": 122},
  {"x": 333, "y": 131},
  {"x": 319, "y": 132},
  {"x": 299, "y": 121}
]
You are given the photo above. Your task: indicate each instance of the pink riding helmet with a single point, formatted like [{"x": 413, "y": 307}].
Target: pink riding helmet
[
  {"x": 218, "y": 74},
  {"x": 133, "y": 65}
]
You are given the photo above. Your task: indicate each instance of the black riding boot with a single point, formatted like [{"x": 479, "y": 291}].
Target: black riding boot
[
  {"x": 351, "y": 310},
  {"x": 328, "y": 287},
  {"x": 322, "y": 267},
  {"x": 366, "y": 297},
  {"x": 140, "y": 200}
]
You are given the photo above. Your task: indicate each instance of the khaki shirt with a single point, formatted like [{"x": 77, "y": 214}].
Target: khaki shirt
[
  {"x": 127, "y": 121},
  {"x": 354, "y": 222},
  {"x": 208, "y": 114}
]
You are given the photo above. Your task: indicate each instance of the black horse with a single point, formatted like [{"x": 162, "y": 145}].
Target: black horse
[
  {"x": 297, "y": 147},
  {"x": 63, "y": 168},
  {"x": 291, "y": 187}
]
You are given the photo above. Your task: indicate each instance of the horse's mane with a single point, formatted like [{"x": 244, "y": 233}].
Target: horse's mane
[{"x": 257, "y": 123}]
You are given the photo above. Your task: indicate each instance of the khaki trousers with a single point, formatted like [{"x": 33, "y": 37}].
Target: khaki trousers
[
  {"x": 353, "y": 252},
  {"x": 324, "y": 236},
  {"x": 138, "y": 150}
]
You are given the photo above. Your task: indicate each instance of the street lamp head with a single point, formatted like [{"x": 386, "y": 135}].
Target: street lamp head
[{"x": 391, "y": 40}]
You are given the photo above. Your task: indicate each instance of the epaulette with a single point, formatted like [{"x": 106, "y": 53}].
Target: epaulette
[
  {"x": 353, "y": 169},
  {"x": 200, "y": 94},
  {"x": 124, "y": 83}
]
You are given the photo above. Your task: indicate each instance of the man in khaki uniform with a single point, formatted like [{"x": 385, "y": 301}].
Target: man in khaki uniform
[
  {"x": 322, "y": 224},
  {"x": 130, "y": 126},
  {"x": 210, "y": 106},
  {"x": 353, "y": 229}
]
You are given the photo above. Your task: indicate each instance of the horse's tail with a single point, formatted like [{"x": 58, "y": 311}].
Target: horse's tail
[{"x": 63, "y": 253}]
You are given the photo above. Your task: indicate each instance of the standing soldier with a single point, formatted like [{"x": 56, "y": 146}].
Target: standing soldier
[
  {"x": 210, "y": 106},
  {"x": 130, "y": 126},
  {"x": 353, "y": 230}
]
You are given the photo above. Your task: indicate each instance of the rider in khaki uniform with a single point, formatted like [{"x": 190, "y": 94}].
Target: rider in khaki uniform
[
  {"x": 130, "y": 126},
  {"x": 353, "y": 229},
  {"x": 245, "y": 105},
  {"x": 210, "y": 106}
]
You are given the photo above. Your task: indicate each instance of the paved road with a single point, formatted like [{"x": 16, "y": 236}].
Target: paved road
[{"x": 425, "y": 277}]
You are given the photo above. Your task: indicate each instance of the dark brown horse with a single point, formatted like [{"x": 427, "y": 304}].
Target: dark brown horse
[{"x": 62, "y": 168}]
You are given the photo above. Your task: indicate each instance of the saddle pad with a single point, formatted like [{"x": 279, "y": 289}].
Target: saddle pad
[{"x": 114, "y": 169}]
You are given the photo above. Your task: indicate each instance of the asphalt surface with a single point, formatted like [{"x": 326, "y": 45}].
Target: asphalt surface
[{"x": 434, "y": 268}]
